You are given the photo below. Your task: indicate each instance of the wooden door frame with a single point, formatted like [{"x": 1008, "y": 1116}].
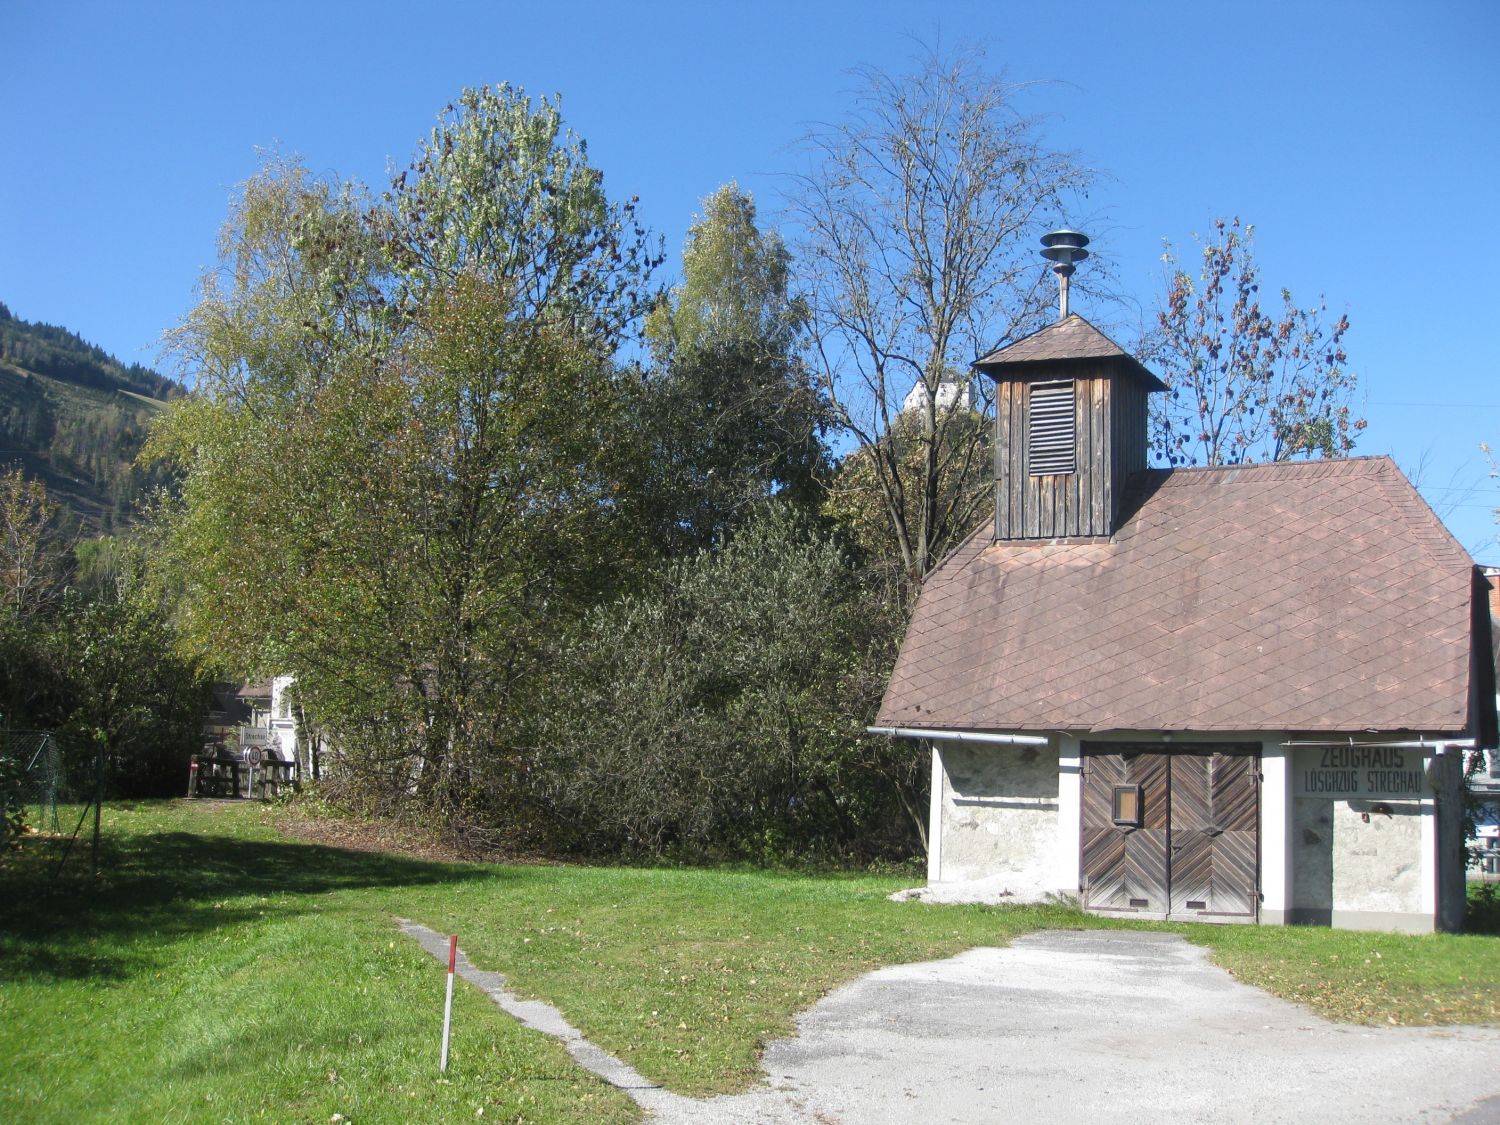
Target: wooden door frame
[{"x": 1175, "y": 749}]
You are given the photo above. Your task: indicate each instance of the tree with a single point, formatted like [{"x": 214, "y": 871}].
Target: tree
[
  {"x": 29, "y": 553},
  {"x": 919, "y": 225},
  {"x": 125, "y": 695},
  {"x": 857, "y": 502},
  {"x": 403, "y": 454},
  {"x": 1246, "y": 384},
  {"x": 734, "y": 290},
  {"x": 728, "y": 413}
]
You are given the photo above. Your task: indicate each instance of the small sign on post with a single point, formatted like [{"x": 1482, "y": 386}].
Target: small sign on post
[{"x": 448, "y": 1000}]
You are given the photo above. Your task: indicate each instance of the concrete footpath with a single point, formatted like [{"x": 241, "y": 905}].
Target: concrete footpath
[{"x": 1092, "y": 1026}]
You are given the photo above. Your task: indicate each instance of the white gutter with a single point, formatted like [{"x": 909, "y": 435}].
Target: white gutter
[
  {"x": 1420, "y": 744},
  {"x": 962, "y": 736}
]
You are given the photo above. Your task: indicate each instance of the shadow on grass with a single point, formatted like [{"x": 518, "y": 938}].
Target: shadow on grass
[{"x": 158, "y": 887}]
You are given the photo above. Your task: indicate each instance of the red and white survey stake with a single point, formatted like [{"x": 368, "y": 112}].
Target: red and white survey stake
[{"x": 448, "y": 1001}]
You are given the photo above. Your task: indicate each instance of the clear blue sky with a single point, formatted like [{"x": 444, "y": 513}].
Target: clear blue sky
[{"x": 1362, "y": 138}]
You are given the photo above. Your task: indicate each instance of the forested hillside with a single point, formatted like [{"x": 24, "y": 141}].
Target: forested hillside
[{"x": 74, "y": 417}]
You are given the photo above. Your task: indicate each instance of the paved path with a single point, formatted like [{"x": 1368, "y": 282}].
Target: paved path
[{"x": 1092, "y": 1026}]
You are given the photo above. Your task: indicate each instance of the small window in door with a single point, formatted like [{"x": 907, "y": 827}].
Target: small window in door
[{"x": 1125, "y": 806}]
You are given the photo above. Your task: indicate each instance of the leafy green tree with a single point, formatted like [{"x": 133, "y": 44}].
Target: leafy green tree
[
  {"x": 857, "y": 500},
  {"x": 1247, "y": 382},
  {"x": 31, "y": 583},
  {"x": 734, "y": 290},
  {"x": 404, "y": 454},
  {"x": 729, "y": 414},
  {"x": 29, "y": 552},
  {"x": 126, "y": 695}
]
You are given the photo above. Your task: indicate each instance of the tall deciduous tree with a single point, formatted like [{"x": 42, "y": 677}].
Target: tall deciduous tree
[
  {"x": 729, "y": 412},
  {"x": 1250, "y": 381},
  {"x": 919, "y": 224},
  {"x": 402, "y": 456},
  {"x": 29, "y": 573}
]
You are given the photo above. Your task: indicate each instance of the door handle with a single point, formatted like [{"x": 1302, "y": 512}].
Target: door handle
[{"x": 1213, "y": 831}]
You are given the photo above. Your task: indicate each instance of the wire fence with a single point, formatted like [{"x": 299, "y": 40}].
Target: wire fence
[
  {"x": 44, "y": 778},
  {"x": 40, "y": 789}
]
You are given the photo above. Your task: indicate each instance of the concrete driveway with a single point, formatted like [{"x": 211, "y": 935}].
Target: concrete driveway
[{"x": 1097, "y": 1027}]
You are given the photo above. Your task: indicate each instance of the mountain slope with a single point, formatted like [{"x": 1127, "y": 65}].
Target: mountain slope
[{"x": 74, "y": 417}]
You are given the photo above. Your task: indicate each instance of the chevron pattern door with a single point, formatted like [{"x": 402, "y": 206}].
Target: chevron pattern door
[
  {"x": 1125, "y": 866},
  {"x": 1213, "y": 865},
  {"x": 1171, "y": 834}
]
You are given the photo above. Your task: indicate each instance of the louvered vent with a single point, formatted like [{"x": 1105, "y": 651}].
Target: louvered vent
[{"x": 1052, "y": 445}]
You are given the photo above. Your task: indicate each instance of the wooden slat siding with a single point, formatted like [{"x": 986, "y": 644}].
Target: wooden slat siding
[
  {"x": 1191, "y": 871},
  {"x": 1031, "y": 525},
  {"x": 999, "y": 456},
  {"x": 1234, "y": 802},
  {"x": 1119, "y": 865},
  {"x": 1078, "y": 483},
  {"x": 1017, "y": 482},
  {"x": 1119, "y": 410},
  {"x": 1103, "y": 845},
  {"x": 1128, "y": 425},
  {"x": 1003, "y": 393},
  {"x": 1111, "y": 443},
  {"x": 1099, "y": 463}
]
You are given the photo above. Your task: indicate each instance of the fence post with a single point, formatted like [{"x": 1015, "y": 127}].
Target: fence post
[
  {"x": 448, "y": 1001},
  {"x": 98, "y": 802}
]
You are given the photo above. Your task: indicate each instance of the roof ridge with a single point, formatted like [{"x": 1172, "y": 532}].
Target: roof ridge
[
  {"x": 1371, "y": 464},
  {"x": 1055, "y": 325}
]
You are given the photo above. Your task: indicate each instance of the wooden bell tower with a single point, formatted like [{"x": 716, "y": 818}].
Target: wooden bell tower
[{"x": 1070, "y": 422}]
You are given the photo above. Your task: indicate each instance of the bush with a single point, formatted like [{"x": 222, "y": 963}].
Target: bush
[
  {"x": 12, "y": 810},
  {"x": 724, "y": 712}
]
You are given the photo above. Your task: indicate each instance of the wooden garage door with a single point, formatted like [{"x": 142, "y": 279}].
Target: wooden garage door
[{"x": 1187, "y": 845}]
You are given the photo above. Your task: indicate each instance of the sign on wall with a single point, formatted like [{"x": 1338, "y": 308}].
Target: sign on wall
[{"x": 1360, "y": 772}]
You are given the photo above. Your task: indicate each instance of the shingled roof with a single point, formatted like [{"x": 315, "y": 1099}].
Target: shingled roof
[
  {"x": 1068, "y": 340},
  {"x": 1310, "y": 596}
]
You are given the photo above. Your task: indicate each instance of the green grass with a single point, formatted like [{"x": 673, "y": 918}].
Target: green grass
[
  {"x": 1371, "y": 978},
  {"x": 222, "y": 972},
  {"x": 687, "y": 973}
]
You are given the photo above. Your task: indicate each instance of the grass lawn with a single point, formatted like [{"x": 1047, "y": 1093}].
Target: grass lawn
[{"x": 221, "y": 971}]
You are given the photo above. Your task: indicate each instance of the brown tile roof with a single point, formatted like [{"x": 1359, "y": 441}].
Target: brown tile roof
[
  {"x": 1311, "y": 596},
  {"x": 1070, "y": 339}
]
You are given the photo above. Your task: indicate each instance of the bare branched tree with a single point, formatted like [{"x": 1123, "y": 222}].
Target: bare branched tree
[
  {"x": 919, "y": 221},
  {"x": 1251, "y": 378}
]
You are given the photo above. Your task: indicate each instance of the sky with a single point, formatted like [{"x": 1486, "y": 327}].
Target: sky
[{"x": 1362, "y": 139}]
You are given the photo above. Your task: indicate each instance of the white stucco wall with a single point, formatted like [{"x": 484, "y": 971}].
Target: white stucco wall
[
  {"x": 1364, "y": 863},
  {"x": 1005, "y": 820},
  {"x": 997, "y": 819},
  {"x": 1345, "y": 865},
  {"x": 282, "y": 725}
]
